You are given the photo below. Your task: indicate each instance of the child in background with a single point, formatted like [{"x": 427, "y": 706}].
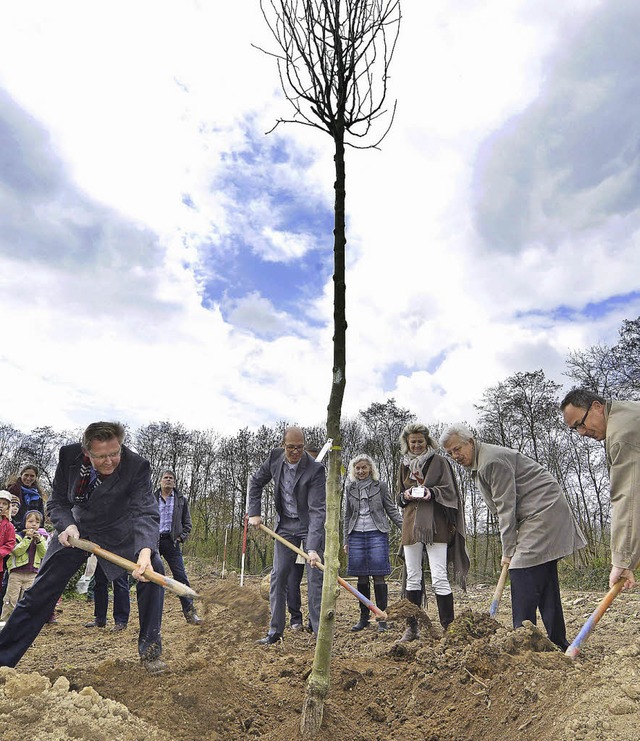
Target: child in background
[
  {"x": 15, "y": 506},
  {"x": 24, "y": 562},
  {"x": 7, "y": 531},
  {"x": 13, "y": 513}
]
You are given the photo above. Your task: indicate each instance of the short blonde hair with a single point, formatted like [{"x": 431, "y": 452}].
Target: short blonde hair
[
  {"x": 416, "y": 428},
  {"x": 351, "y": 474}
]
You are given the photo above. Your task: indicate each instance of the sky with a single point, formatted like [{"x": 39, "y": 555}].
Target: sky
[{"x": 163, "y": 257}]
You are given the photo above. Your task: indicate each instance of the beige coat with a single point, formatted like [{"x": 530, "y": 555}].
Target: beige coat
[
  {"x": 623, "y": 459},
  {"x": 535, "y": 521}
]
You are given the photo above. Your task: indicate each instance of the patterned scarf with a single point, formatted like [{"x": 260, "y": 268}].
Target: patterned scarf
[
  {"x": 87, "y": 482},
  {"x": 415, "y": 464}
]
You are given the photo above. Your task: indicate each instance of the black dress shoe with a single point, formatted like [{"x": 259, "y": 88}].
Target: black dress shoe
[
  {"x": 192, "y": 618},
  {"x": 270, "y": 639},
  {"x": 94, "y": 624},
  {"x": 118, "y": 627}
]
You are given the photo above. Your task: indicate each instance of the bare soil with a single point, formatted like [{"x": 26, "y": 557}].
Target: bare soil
[{"x": 481, "y": 680}]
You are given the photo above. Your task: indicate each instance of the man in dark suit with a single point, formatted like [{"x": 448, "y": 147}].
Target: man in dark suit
[
  {"x": 101, "y": 492},
  {"x": 299, "y": 498}
]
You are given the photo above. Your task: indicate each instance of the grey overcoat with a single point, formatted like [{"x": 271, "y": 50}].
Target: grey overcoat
[{"x": 535, "y": 521}]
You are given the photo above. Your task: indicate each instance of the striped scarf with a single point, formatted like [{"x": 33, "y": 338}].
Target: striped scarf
[{"x": 87, "y": 482}]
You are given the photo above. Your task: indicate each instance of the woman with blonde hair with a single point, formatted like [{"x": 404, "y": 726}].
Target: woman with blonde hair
[
  {"x": 367, "y": 509},
  {"x": 433, "y": 523}
]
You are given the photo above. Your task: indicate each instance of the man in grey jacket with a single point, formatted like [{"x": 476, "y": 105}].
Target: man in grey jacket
[
  {"x": 618, "y": 424},
  {"x": 300, "y": 501},
  {"x": 536, "y": 525}
]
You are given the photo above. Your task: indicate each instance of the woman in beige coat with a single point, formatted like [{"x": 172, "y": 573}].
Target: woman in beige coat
[{"x": 433, "y": 523}]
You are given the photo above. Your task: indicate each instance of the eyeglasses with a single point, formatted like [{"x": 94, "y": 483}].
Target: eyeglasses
[
  {"x": 291, "y": 448},
  {"x": 110, "y": 456},
  {"x": 581, "y": 424}
]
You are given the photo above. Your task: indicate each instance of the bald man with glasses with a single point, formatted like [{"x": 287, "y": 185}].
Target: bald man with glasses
[
  {"x": 102, "y": 492},
  {"x": 300, "y": 501},
  {"x": 617, "y": 423}
]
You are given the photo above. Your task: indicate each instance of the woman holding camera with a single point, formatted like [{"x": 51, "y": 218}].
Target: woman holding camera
[{"x": 433, "y": 523}]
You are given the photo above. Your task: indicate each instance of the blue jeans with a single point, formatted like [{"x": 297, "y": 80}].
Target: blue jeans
[{"x": 172, "y": 554}]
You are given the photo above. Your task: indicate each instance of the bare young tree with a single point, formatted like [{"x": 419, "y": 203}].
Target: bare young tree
[{"x": 333, "y": 61}]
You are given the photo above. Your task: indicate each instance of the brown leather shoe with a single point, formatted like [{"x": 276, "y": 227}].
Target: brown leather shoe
[
  {"x": 118, "y": 627},
  {"x": 155, "y": 666}
]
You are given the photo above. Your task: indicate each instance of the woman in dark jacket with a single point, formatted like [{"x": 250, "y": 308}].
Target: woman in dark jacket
[
  {"x": 433, "y": 522},
  {"x": 367, "y": 509}
]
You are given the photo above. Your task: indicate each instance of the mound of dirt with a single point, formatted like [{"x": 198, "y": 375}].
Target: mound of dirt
[
  {"x": 33, "y": 707},
  {"x": 479, "y": 680}
]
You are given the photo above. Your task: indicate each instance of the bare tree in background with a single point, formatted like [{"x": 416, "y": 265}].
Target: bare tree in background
[
  {"x": 333, "y": 62},
  {"x": 612, "y": 371}
]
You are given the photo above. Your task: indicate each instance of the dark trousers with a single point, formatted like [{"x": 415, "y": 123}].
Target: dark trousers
[
  {"x": 121, "y": 597},
  {"x": 294, "y": 600},
  {"x": 537, "y": 588},
  {"x": 284, "y": 560},
  {"x": 38, "y": 602},
  {"x": 172, "y": 554}
]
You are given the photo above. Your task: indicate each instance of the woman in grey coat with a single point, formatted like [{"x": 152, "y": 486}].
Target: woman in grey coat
[{"x": 367, "y": 509}]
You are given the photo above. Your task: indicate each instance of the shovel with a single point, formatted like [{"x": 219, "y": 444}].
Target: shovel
[
  {"x": 574, "y": 648},
  {"x": 182, "y": 590},
  {"x": 380, "y": 614},
  {"x": 493, "y": 608}
]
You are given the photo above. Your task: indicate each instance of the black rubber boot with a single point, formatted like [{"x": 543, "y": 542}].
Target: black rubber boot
[
  {"x": 412, "y": 632},
  {"x": 382, "y": 595},
  {"x": 414, "y": 596},
  {"x": 364, "y": 589},
  {"x": 445, "y": 609}
]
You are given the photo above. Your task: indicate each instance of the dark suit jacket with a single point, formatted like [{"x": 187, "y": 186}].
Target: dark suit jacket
[
  {"x": 309, "y": 489},
  {"x": 121, "y": 514}
]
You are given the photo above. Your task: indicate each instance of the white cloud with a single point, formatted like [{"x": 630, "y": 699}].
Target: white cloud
[{"x": 122, "y": 190}]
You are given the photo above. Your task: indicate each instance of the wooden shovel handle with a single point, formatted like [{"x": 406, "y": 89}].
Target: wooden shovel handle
[
  {"x": 574, "y": 648},
  {"x": 497, "y": 595},
  {"x": 365, "y": 601},
  {"x": 182, "y": 590}
]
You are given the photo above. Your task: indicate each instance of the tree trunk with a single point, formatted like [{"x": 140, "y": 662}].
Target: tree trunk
[{"x": 318, "y": 685}]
